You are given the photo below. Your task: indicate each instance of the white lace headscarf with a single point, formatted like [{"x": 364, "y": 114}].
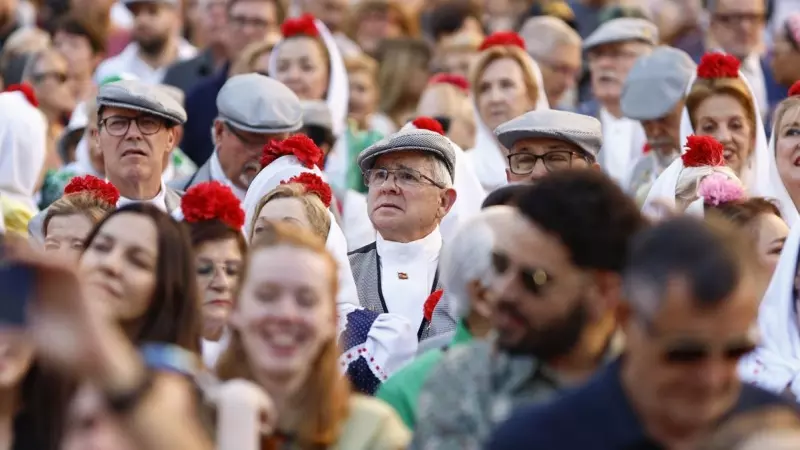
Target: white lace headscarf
[
  {"x": 487, "y": 156},
  {"x": 338, "y": 93}
]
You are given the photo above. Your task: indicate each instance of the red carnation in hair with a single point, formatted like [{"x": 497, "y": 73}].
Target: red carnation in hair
[
  {"x": 430, "y": 304},
  {"x": 718, "y": 65},
  {"x": 451, "y": 79},
  {"x": 703, "y": 151},
  {"x": 27, "y": 91},
  {"x": 100, "y": 189},
  {"x": 300, "y": 26},
  {"x": 646, "y": 148},
  {"x": 298, "y": 145},
  {"x": 314, "y": 185},
  {"x": 795, "y": 89},
  {"x": 428, "y": 123},
  {"x": 502, "y": 38},
  {"x": 212, "y": 200}
]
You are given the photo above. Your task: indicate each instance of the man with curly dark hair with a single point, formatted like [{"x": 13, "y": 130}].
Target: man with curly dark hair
[{"x": 556, "y": 294}]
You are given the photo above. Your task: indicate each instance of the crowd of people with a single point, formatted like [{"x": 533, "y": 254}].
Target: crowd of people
[{"x": 386, "y": 225}]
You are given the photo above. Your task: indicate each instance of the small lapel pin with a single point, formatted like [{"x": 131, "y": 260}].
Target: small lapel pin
[{"x": 402, "y": 275}]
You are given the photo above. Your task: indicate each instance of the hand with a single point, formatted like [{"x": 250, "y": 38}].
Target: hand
[{"x": 244, "y": 413}]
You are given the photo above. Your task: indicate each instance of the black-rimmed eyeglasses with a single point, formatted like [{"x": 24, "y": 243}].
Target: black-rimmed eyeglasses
[
  {"x": 524, "y": 163},
  {"x": 119, "y": 125}
]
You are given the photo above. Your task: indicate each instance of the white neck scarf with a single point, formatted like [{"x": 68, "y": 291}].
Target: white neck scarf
[{"x": 23, "y": 146}]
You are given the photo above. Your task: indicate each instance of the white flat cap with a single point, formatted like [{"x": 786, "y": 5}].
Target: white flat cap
[
  {"x": 259, "y": 104},
  {"x": 585, "y": 132}
]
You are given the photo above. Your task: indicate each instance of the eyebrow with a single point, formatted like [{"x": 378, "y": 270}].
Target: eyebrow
[{"x": 781, "y": 240}]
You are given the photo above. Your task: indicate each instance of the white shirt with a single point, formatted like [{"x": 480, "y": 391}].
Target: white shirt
[
  {"x": 751, "y": 69},
  {"x": 623, "y": 141},
  {"x": 129, "y": 62},
  {"x": 160, "y": 200},
  {"x": 408, "y": 271},
  {"x": 218, "y": 175}
]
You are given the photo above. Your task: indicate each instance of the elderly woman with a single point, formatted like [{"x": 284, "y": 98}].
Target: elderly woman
[
  {"x": 505, "y": 83},
  {"x": 784, "y": 155},
  {"x": 285, "y": 340}
]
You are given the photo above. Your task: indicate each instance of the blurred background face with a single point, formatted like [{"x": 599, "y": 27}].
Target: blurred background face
[
  {"x": 119, "y": 266},
  {"x": 560, "y": 70},
  {"x": 771, "y": 233},
  {"x": 724, "y": 118},
  {"x": 302, "y": 65},
  {"x": 331, "y": 12},
  {"x": 737, "y": 26},
  {"x": 219, "y": 266},
  {"x": 77, "y": 50},
  {"x": 686, "y": 357},
  {"x": 66, "y": 234},
  {"x": 16, "y": 356},
  {"x": 539, "y": 309},
  {"x": 609, "y": 65},
  {"x": 445, "y": 102},
  {"x": 664, "y": 134},
  {"x": 285, "y": 310},
  {"x": 7, "y": 10},
  {"x": 363, "y": 94},
  {"x": 250, "y": 21},
  {"x": 374, "y": 27},
  {"x": 213, "y": 20},
  {"x": 90, "y": 426},
  {"x": 153, "y": 25},
  {"x": 457, "y": 62},
  {"x": 785, "y": 61},
  {"x": 52, "y": 83},
  {"x": 502, "y": 94}
]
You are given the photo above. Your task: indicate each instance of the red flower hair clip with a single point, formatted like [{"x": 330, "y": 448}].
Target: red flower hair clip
[
  {"x": 314, "y": 185},
  {"x": 27, "y": 91},
  {"x": 428, "y": 123},
  {"x": 300, "y": 26},
  {"x": 98, "y": 188},
  {"x": 718, "y": 65},
  {"x": 451, "y": 79},
  {"x": 430, "y": 304},
  {"x": 502, "y": 38},
  {"x": 299, "y": 145},
  {"x": 795, "y": 89},
  {"x": 703, "y": 151},
  {"x": 212, "y": 200}
]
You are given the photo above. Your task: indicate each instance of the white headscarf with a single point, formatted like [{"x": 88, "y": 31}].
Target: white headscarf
[
  {"x": 23, "y": 147},
  {"x": 776, "y": 363},
  {"x": 774, "y": 188},
  {"x": 338, "y": 95},
  {"x": 755, "y": 174},
  {"x": 487, "y": 157}
]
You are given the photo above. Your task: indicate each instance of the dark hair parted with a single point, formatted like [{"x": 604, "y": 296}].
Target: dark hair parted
[
  {"x": 504, "y": 195},
  {"x": 589, "y": 213},
  {"x": 173, "y": 316},
  {"x": 712, "y": 255},
  {"x": 214, "y": 231}
]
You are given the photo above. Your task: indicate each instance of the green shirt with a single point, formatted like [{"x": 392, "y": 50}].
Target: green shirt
[{"x": 401, "y": 390}]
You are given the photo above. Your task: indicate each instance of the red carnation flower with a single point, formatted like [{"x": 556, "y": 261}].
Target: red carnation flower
[
  {"x": 300, "y": 26},
  {"x": 27, "y": 91},
  {"x": 718, "y": 65},
  {"x": 430, "y": 304},
  {"x": 212, "y": 200},
  {"x": 795, "y": 89},
  {"x": 313, "y": 184},
  {"x": 451, "y": 79},
  {"x": 428, "y": 123},
  {"x": 299, "y": 145},
  {"x": 703, "y": 151},
  {"x": 98, "y": 188},
  {"x": 502, "y": 38},
  {"x": 646, "y": 148}
]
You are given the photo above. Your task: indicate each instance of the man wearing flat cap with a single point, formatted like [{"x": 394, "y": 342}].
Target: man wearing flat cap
[
  {"x": 136, "y": 130},
  {"x": 253, "y": 110},
  {"x": 544, "y": 141},
  {"x": 654, "y": 94},
  {"x": 611, "y": 52},
  {"x": 409, "y": 176}
]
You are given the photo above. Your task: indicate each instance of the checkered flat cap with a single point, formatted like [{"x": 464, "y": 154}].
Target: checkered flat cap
[
  {"x": 140, "y": 96},
  {"x": 414, "y": 140},
  {"x": 585, "y": 132}
]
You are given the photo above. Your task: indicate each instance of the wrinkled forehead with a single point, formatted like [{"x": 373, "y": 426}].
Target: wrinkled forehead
[{"x": 412, "y": 159}]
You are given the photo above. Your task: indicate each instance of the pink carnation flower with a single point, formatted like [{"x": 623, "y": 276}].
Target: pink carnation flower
[{"x": 717, "y": 189}]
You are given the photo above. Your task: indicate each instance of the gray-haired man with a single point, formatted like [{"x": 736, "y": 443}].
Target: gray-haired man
[
  {"x": 409, "y": 176},
  {"x": 654, "y": 94}
]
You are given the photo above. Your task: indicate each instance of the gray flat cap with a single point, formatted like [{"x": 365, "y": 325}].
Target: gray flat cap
[
  {"x": 622, "y": 29},
  {"x": 174, "y": 92},
  {"x": 259, "y": 104},
  {"x": 140, "y": 96},
  {"x": 583, "y": 131},
  {"x": 317, "y": 113},
  {"x": 411, "y": 139},
  {"x": 656, "y": 83},
  {"x": 173, "y": 3}
]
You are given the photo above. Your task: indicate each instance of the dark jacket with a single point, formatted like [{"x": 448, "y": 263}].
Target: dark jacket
[
  {"x": 201, "y": 106},
  {"x": 185, "y": 75}
]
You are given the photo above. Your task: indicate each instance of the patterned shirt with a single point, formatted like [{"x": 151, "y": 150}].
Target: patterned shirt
[{"x": 474, "y": 388}]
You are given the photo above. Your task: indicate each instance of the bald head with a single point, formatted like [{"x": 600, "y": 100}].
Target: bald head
[{"x": 543, "y": 34}]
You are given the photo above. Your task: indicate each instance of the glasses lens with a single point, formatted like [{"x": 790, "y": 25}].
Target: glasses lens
[
  {"x": 148, "y": 125},
  {"x": 117, "y": 126},
  {"x": 376, "y": 177},
  {"x": 407, "y": 177},
  {"x": 534, "y": 281},
  {"x": 558, "y": 160},
  {"x": 522, "y": 163}
]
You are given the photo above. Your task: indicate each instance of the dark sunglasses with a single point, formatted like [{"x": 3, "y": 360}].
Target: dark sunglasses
[
  {"x": 534, "y": 280},
  {"x": 691, "y": 352}
]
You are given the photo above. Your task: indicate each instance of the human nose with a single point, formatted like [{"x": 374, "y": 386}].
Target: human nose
[
  {"x": 111, "y": 263},
  {"x": 723, "y": 134},
  {"x": 220, "y": 281},
  {"x": 133, "y": 130},
  {"x": 494, "y": 94}
]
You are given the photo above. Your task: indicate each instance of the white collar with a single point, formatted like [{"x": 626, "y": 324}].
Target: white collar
[
  {"x": 160, "y": 200},
  {"x": 607, "y": 117},
  {"x": 217, "y": 174},
  {"x": 427, "y": 247}
]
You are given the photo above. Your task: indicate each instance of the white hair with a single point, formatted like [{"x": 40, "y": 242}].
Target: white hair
[
  {"x": 440, "y": 172},
  {"x": 467, "y": 258},
  {"x": 542, "y": 34}
]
